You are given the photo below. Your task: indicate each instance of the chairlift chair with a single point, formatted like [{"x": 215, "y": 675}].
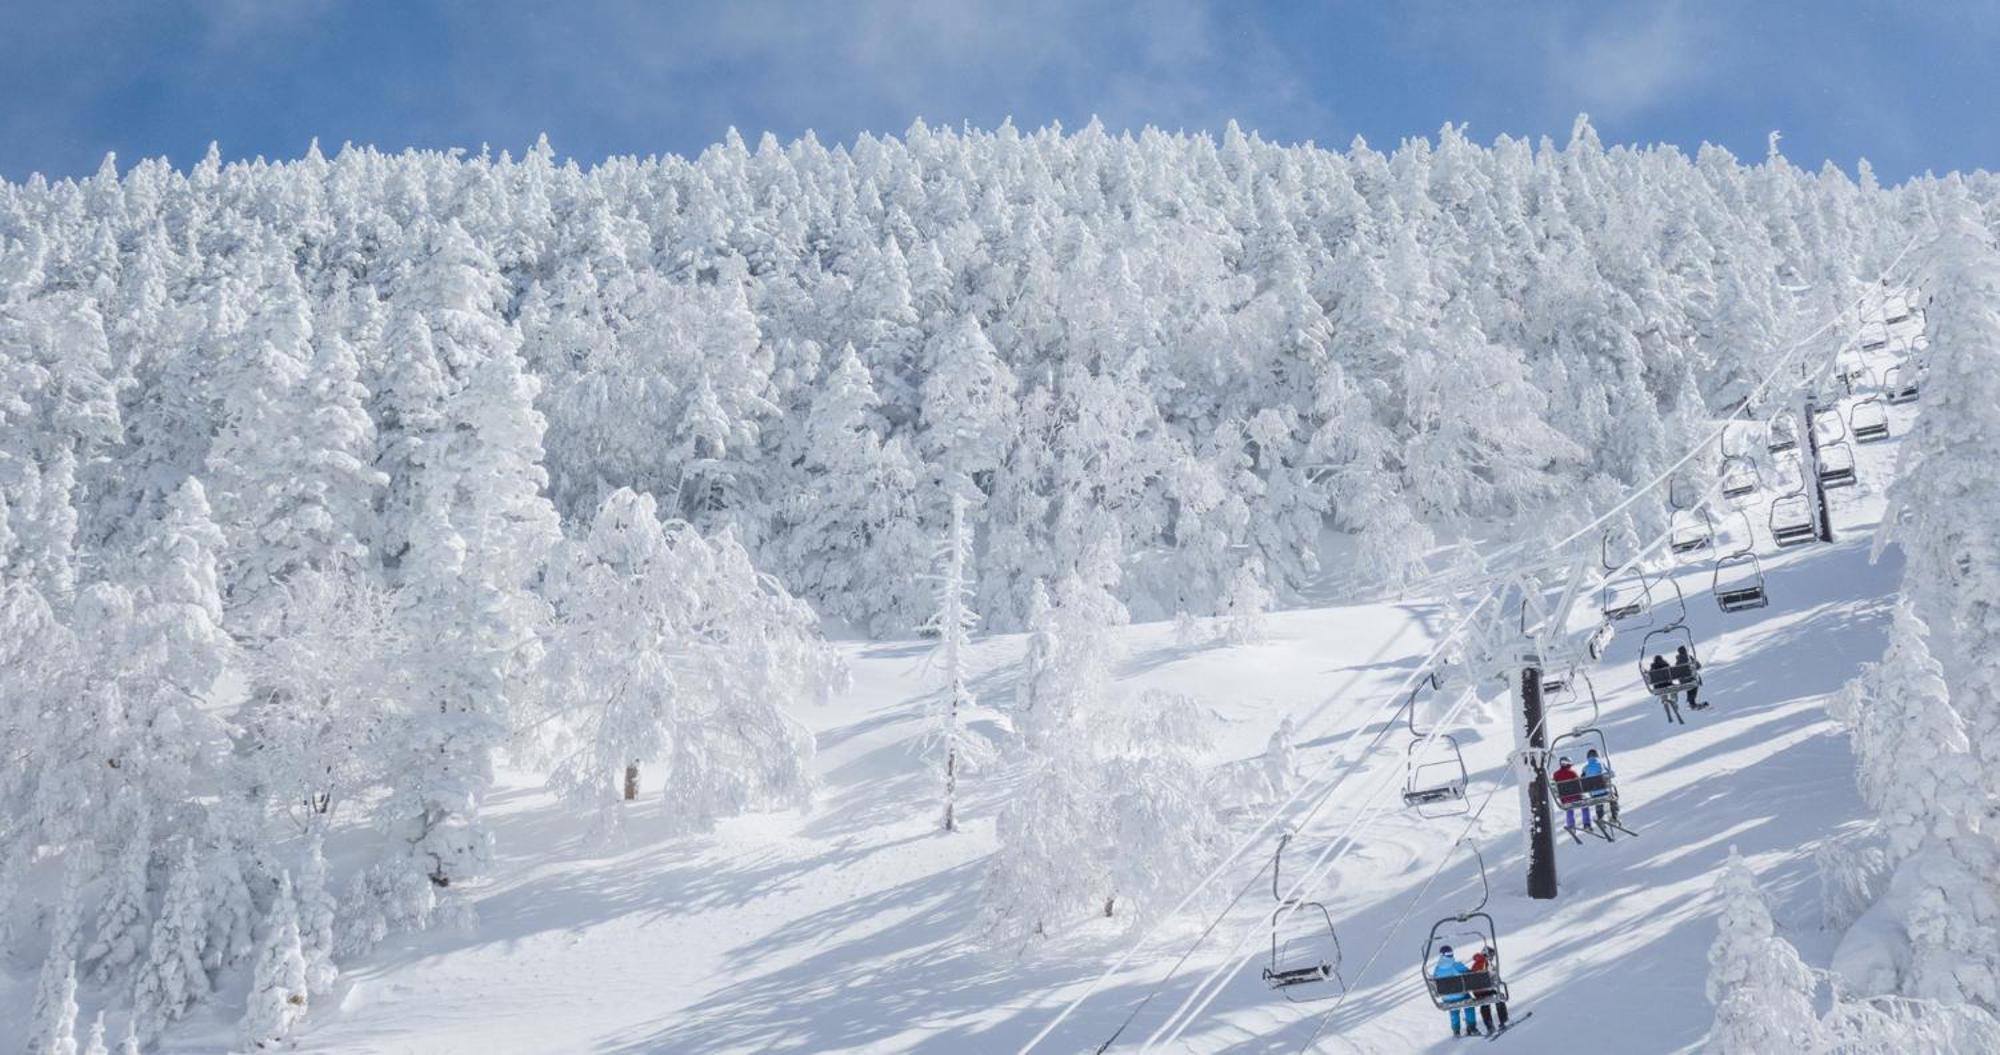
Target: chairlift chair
[
  {"x": 1305, "y": 949},
  {"x": 1626, "y": 598},
  {"x": 1471, "y": 930},
  {"x": 1739, "y": 476},
  {"x": 1674, "y": 677},
  {"x": 1597, "y": 790},
  {"x": 1739, "y": 583},
  {"x": 1783, "y": 433},
  {"x": 1836, "y": 465},
  {"x": 1691, "y": 531},
  {"x": 1869, "y": 419},
  {"x": 1903, "y": 383},
  {"x": 1436, "y": 777},
  {"x": 1829, "y": 426},
  {"x": 1792, "y": 520}
]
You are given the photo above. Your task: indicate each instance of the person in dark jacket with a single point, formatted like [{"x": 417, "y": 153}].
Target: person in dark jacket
[
  {"x": 1660, "y": 672},
  {"x": 1683, "y": 658},
  {"x": 1487, "y": 960}
]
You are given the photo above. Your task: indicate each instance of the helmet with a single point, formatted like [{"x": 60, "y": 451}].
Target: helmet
[
  {"x": 1444, "y": 950},
  {"x": 1591, "y": 753},
  {"x": 1562, "y": 761}
]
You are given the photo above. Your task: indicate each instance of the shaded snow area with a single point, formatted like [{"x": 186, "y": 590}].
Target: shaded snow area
[{"x": 845, "y": 927}]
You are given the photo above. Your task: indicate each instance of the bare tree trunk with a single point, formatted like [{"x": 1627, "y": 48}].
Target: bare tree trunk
[
  {"x": 631, "y": 781},
  {"x": 951, "y": 777}
]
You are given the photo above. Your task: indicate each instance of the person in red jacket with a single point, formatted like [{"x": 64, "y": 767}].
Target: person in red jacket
[
  {"x": 1561, "y": 775},
  {"x": 1486, "y": 960}
]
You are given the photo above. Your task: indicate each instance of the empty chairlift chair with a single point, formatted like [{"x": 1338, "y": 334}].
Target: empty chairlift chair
[
  {"x": 1792, "y": 520},
  {"x": 1739, "y": 477},
  {"x": 1836, "y": 465},
  {"x": 1305, "y": 950},
  {"x": 1435, "y": 782},
  {"x": 1739, "y": 583},
  {"x": 1627, "y": 598},
  {"x": 1869, "y": 420},
  {"x": 1903, "y": 383},
  {"x": 1783, "y": 433},
  {"x": 1691, "y": 532}
]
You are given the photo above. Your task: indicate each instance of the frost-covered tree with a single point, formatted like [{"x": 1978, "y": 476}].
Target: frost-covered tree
[
  {"x": 1762, "y": 991},
  {"x": 125, "y": 910},
  {"x": 1111, "y": 806},
  {"x": 172, "y": 979},
  {"x": 278, "y": 993},
  {"x": 952, "y": 622},
  {"x": 671, "y": 649},
  {"x": 54, "y": 1029},
  {"x": 52, "y": 1022},
  {"x": 317, "y": 911}
]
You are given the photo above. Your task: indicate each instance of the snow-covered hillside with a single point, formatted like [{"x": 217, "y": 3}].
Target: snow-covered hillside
[{"x": 845, "y": 927}]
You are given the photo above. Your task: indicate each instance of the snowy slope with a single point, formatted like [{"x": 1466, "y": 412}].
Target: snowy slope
[{"x": 843, "y": 929}]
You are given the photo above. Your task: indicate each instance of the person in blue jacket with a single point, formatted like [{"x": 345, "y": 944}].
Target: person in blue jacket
[
  {"x": 1449, "y": 967},
  {"x": 1593, "y": 766}
]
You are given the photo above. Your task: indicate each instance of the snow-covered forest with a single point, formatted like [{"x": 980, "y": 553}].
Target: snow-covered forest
[{"x": 331, "y": 486}]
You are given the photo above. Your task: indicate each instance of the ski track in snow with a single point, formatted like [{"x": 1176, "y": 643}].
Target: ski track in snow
[{"x": 845, "y": 928}]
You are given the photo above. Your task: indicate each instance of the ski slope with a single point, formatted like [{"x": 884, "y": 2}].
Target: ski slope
[{"x": 845, "y": 928}]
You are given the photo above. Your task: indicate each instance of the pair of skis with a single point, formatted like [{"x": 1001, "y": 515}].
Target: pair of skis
[
  {"x": 1602, "y": 829},
  {"x": 1495, "y": 1034}
]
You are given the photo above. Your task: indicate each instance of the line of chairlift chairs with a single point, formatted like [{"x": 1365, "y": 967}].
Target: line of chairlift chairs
[{"x": 1305, "y": 952}]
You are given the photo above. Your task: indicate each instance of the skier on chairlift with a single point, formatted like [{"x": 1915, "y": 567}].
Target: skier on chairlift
[
  {"x": 1449, "y": 967},
  {"x": 1593, "y": 766},
  {"x": 1571, "y": 801},
  {"x": 1683, "y": 658},
  {"x": 1658, "y": 674},
  {"x": 1487, "y": 960}
]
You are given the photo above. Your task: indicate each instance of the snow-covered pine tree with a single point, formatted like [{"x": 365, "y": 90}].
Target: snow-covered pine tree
[
  {"x": 952, "y": 622},
  {"x": 124, "y": 914},
  {"x": 1762, "y": 991},
  {"x": 54, "y": 1028},
  {"x": 171, "y": 979},
  {"x": 484, "y": 527},
  {"x": 52, "y": 1021},
  {"x": 317, "y": 912},
  {"x": 278, "y": 992},
  {"x": 852, "y": 523},
  {"x": 97, "y": 1045}
]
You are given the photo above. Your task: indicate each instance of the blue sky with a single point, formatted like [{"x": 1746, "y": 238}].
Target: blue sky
[{"x": 1910, "y": 86}]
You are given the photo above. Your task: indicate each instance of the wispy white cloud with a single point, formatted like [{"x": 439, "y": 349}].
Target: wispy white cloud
[{"x": 1630, "y": 59}]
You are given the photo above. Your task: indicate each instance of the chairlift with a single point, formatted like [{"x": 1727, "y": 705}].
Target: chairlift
[
  {"x": 1792, "y": 520},
  {"x": 1782, "y": 433},
  {"x": 1738, "y": 583},
  {"x": 1739, "y": 476},
  {"x": 1836, "y": 465},
  {"x": 1869, "y": 419},
  {"x": 1305, "y": 950},
  {"x": 1436, "y": 776},
  {"x": 1626, "y": 598},
  {"x": 1903, "y": 383},
  {"x": 1596, "y": 792},
  {"x": 1672, "y": 677},
  {"x": 1691, "y": 531},
  {"x": 1473, "y": 930},
  {"x": 1829, "y": 426}
]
